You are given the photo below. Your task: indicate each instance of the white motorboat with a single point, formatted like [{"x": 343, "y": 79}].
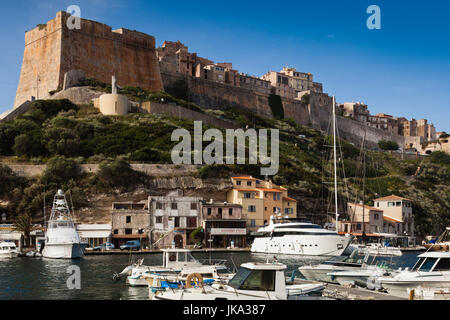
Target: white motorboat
[
  {"x": 379, "y": 250},
  {"x": 442, "y": 244},
  {"x": 61, "y": 238},
  {"x": 299, "y": 238},
  {"x": 8, "y": 250},
  {"x": 174, "y": 261},
  {"x": 431, "y": 274},
  {"x": 341, "y": 263},
  {"x": 365, "y": 277},
  {"x": 253, "y": 281}
]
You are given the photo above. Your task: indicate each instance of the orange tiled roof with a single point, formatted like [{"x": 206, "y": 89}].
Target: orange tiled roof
[
  {"x": 270, "y": 190},
  {"x": 247, "y": 190},
  {"x": 244, "y": 178},
  {"x": 392, "y": 197},
  {"x": 392, "y": 219},
  {"x": 289, "y": 199}
]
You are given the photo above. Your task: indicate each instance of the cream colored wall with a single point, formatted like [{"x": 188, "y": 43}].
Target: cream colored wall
[{"x": 113, "y": 104}]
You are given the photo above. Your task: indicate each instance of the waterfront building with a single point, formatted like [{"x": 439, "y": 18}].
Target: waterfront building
[
  {"x": 223, "y": 225},
  {"x": 373, "y": 220},
  {"x": 260, "y": 200},
  {"x": 173, "y": 218},
  {"x": 94, "y": 234},
  {"x": 130, "y": 221},
  {"x": 398, "y": 213}
]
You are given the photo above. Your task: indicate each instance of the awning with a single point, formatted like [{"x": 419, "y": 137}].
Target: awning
[
  {"x": 94, "y": 234},
  {"x": 130, "y": 236}
]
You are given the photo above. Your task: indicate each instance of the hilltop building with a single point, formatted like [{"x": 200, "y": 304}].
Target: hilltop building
[
  {"x": 397, "y": 213},
  {"x": 373, "y": 220}
]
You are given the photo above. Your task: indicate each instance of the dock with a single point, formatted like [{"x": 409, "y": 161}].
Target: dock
[
  {"x": 125, "y": 252},
  {"x": 338, "y": 292}
]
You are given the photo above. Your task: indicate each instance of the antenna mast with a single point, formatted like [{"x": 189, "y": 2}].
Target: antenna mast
[{"x": 335, "y": 163}]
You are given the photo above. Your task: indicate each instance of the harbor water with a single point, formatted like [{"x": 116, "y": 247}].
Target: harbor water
[{"x": 46, "y": 279}]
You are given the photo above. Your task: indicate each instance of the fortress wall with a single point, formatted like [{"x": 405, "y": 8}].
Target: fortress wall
[{"x": 51, "y": 50}]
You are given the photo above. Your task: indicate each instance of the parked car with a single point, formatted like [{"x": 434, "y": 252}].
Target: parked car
[
  {"x": 104, "y": 246},
  {"x": 131, "y": 245}
]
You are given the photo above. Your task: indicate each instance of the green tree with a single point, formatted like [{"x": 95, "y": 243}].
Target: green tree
[
  {"x": 197, "y": 234},
  {"x": 276, "y": 105},
  {"x": 60, "y": 170},
  {"x": 117, "y": 175},
  {"x": 388, "y": 145},
  {"x": 24, "y": 224}
]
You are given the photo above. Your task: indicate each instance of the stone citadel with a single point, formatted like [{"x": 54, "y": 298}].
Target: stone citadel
[{"x": 53, "y": 53}]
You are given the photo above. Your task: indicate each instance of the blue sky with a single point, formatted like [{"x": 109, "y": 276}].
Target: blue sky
[{"x": 402, "y": 69}]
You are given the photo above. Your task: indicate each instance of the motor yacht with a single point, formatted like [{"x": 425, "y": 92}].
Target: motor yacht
[
  {"x": 431, "y": 274},
  {"x": 8, "y": 250}
]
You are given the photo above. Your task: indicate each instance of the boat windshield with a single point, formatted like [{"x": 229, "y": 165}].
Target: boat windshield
[
  {"x": 443, "y": 265},
  {"x": 428, "y": 264},
  {"x": 61, "y": 224},
  {"x": 418, "y": 263},
  {"x": 260, "y": 280}
]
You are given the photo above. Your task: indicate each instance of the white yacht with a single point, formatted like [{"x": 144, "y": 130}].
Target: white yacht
[
  {"x": 8, "y": 250},
  {"x": 175, "y": 260},
  {"x": 431, "y": 274},
  {"x": 61, "y": 238},
  {"x": 365, "y": 277},
  {"x": 299, "y": 238},
  {"x": 253, "y": 281}
]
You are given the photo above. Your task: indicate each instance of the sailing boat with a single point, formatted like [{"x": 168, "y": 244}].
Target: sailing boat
[
  {"x": 61, "y": 238},
  {"x": 302, "y": 238}
]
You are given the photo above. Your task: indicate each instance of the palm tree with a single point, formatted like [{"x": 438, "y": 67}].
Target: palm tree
[{"x": 24, "y": 224}]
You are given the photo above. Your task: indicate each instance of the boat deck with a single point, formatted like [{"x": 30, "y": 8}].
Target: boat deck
[{"x": 338, "y": 292}]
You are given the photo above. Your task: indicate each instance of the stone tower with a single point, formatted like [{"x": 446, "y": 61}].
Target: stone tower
[{"x": 53, "y": 49}]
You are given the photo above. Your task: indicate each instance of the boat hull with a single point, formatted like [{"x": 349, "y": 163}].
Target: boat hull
[
  {"x": 316, "y": 274},
  {"x": 403, "y": 288},
  {"x": 63, "y": 250},
  {"x": 8, "y": 255},
  {"x": 317, "y": 245}
]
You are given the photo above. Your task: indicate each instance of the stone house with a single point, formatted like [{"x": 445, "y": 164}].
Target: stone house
[
  {"x": 130, "y": 221},
  {"x": 399, "y": 213},
  {"x": 173, "y": 218}
]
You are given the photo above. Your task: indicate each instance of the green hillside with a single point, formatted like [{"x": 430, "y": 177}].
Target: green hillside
[{"x": 63, "y": 136}]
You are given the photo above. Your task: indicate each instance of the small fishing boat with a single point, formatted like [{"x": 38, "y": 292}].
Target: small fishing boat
[
  {"x": 8, "y": 250},
  {"x": 378, "y": 249},
  {"x": 441, "y": 244},
  {"x": 174, "y": 261},
  {"x": 253, "y": 281}
]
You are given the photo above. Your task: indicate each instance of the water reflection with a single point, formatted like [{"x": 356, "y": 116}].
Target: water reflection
[{"x": 46, "y": 279}]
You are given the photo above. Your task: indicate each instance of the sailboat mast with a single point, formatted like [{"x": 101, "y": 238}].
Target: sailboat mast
[{"x": 335, "y": 163}]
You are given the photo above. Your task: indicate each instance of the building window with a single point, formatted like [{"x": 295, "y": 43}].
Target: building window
[
  {"x": 128, "y": 219},
  {"x": 158, "y": 219},
  {"x": 177, "y": 222},
  {"x": 391, "y": 204},
  {"x": 358, "y": 226},
  {"x": 378, "y": 204},
  {"x": 159, "y": 205},
  {"x": 398, "y": 204},
  {"x": 249, "y": 183},
  {"x": 191, "y": 222},
  {"x": 276, "y": 196},
  {"x": 230, "y": 211},
  {"x": 193, "y": 206},
  {"x": 128, "y": 231},
  {"x": 252, "y": 223},
  {"x": 251, "y": 208},
  {"x": 375, "y": 216},
  {"x": 247, "y": 195},
  {"x": 174, "y": 206},
  {"x": 220, "y": 211},
  {"x": 238, "y": 183},
  {"x": 209, "y": 211},
  {"x": 116, "y": 231}
]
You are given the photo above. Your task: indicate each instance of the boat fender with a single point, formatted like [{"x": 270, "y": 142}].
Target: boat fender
[{"x": 198, "y": 280}]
